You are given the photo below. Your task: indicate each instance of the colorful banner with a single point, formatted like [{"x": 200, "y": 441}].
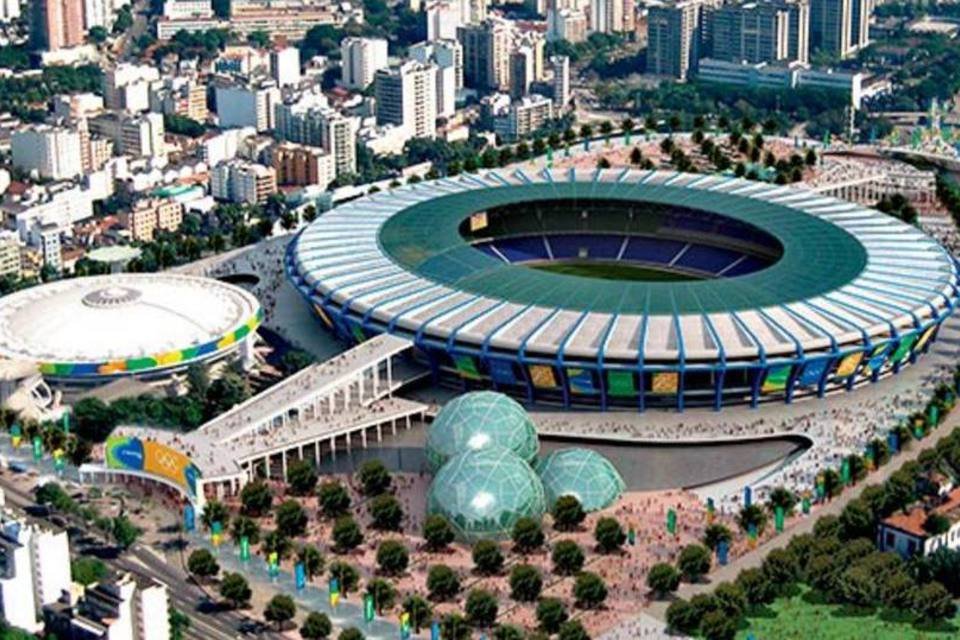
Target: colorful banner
[
  {"x": 925, "y": 337},
  {"x": 878, "y": 357},
  {"x": 333, "y": 588},
  {"x": 776, "y": 378},
  {"x": 358, "y": 333},
  {"x": 581, "y": 381},
  {"x": 665, "y": 383},
  {"x": 323, "y": 316},
  {"x": 244, "y": 548},
  {"x": 216, "y": 533},
  {"x": 466, "y": 367},
  {"x": 300, "y": 576},
  {"x": 542, "y": 376},
  {"x": 903, "y": 350},
  {"x": 16, "y": 435},
  {"x": 134, "y": 454},
  {"x": 478, "y": 221},
  {"x": 37, "y": 448},
  {"x": 849, "y": 365},
  {"x": 368, "y": 608},
  {"x": 813, "y": 372},
  {"x": 501, "y": 372},
  {"x": 671, "y": 521},
  {"x": 620, "y": 384},
  {"x": 273, "y": 563}
]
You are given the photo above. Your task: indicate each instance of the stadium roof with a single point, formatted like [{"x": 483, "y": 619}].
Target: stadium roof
[
  {"x": 847, "y": 274},
  {"x": 125, "y": 322}
]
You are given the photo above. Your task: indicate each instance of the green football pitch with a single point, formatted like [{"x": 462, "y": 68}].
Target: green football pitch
[{"x": 612, "y": 271}]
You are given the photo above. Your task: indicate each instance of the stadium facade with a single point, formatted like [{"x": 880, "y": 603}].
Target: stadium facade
[{"x": 623, "y": 288}]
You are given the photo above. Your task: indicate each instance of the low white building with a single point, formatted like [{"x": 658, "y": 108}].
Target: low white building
[{"x": 905, "y": 534}]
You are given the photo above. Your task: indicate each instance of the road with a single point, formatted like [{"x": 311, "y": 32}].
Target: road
[{"x": 184, "y": 594}]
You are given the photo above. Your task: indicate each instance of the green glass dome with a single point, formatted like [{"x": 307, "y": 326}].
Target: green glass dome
[
  {"x": 583, "y": 474},
  {"x": 483, "y": 493},
  {"x": 477, "y": 420}
]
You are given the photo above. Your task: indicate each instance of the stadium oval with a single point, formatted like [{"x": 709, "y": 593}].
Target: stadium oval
[{"x": 623, "y": 288}]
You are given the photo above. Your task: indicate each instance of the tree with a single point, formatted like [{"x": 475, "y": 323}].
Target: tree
[
  {"x": 551, "y": 614},
  {"x": 756, "y": 586},
  {"x": 636, "y": 157},
  {"x": 527, "y": 535},
  {"x": 572, "y": 630},
  {"x": 589, "y": 590},
  {"x": 714, "y": 534},
  {"x": 716, "y": 625},
  {"x": 93, "y": 419},
  {"x": 383, "y": 594},
  {"x": 508, "y": 632},
  {"x": 663, "y": 579},
  {"x": 98, "y": 35},
  {"x": 334, "y": 499},
  {"x": 481, "y": 608},
  {"x": 245, "y": 526},
  {"x": 443, "y": 583},
  {"x": 312, "y": 559},
  {"x": 374, "y": 478},
  {"x": 346, "y": 534},
  {"x": 302, "y": 478},
  {"x": 682, "y": 617},
  {"x": 568, "y": 513},
  {"x": 317, "y": 626},
  {"x": 567, "y": 558},
  {"x": 437, "y": 532},
  {"x": 345, "y": 574},
  {"x": 87, "y": 571},
  {"x": 291, "y": 519},
  {"x": 933, "y": 603},
  {"x": 487, "y": 558},
  {"x": 124, "y": 532},
  {"x": 453, "y": 626},
  {"x": 392, "y": 557},
  {"x": 856, "y": 521},
  {"x": 276, "y": 542},
  {"x": 386, "y": 512},
  {"x": 179, "y": 623},
  {"x": 935, "y": 524},
  {"x": 731, "y": 599},
  {"x": 235, "y": 590},
  {"x": 780, "y": 568},
  {"x": 781, "y": 497},
  {"x": 351, "y": 633},
  {"x": 419, "y": 611},
  {"x": 694, "y": 562},
  {"x": 525, "y": 583},
  {"x": 256, "y": 498},
  {"x": 609, "y": 535},
  {"x": 752, "y": 515},
  {"x": 202, "y": 564},
  {"x": 280, "y": 610}
]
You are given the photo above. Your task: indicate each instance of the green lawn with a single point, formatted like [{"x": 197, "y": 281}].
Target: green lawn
[
  {"x": 612, "y": 271},
  {"x": 798, "y": 619}
]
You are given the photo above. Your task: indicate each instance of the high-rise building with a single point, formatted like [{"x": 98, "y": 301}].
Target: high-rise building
[
  {"x": 447, "y": 55},
  {"x": 406, "y": 96},
  {"x": 57, "y": 24},
  {"x": 486, "y": 54},
  {"x": 673, "y": 38},
  {"x": 127, "y": 86},
  {"x": 140, "y": 135},
  {"x": 243, "y": 182},
  {"x": 524, "y": 117},
  {"x": 360, "y": 58},
  {"x": 311, "y": 121},
  {"x": 285, "y": 66},
  {"x": 751, "y": 32},
  {"x": 9, "y": 255},
  {"x": 130, "y": 607},
  {"x": 566, "y": 24},
  {"x": 300, "y": 165},
  {"x": 606, "y": 16},
  {"x": 247, "y": 105},
  {"x": 180, "y": 96},
  {"x": 53, "y": 152},
  {"x": 839, "y": 27},
  {"x": 561, "y": 81},
  {"x": 34, "y": 567},
  {"x": 149, "y": 215},
  {"x": 97, "y": 13},
  {"x": 521, "y": 72},
  {"x": 443, "y": 17}
]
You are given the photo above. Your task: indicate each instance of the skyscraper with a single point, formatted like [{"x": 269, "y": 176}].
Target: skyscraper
[
  {"x": 359, "y": 60},
  {"x": 673, "y": 38},
  {"x": 751, "y": 32},
  {"x": 839, "y": 27},
  {"x": 57, "y": 24},
  {"x": 486, "y": 54},
  {"x": 561, "y": 81},
  {"x": 406, "y": 96}
]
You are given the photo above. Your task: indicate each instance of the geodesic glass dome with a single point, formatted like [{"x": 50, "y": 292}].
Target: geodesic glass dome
[
  {"x": 583, "y": 474},
  {"x": 482, "y": 493},
  {"x": 477, "y": 420}
]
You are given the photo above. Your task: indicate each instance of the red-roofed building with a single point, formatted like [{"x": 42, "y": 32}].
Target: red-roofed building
[{"x": 904, "y": 534}]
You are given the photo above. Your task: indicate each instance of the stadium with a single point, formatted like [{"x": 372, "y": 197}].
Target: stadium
[
  {"x": 86, "y": 331},
  {"x": 622, "y": 288}
]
